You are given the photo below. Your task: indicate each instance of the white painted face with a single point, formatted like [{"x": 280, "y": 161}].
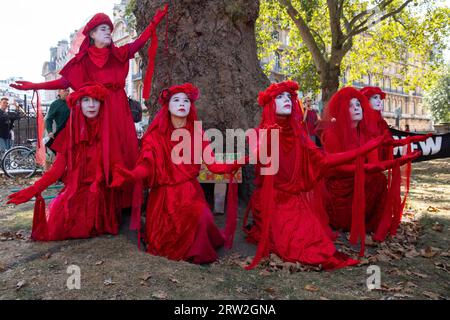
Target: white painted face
[
  {"x": 180, "y": 105},
  {"x": 356, "y": 112},
  {"x": 284, "y": 104},
  {"x": 376, "y": 102},
  {"x": 101, "y": 36},
  {"x": 90, "y": 107}
]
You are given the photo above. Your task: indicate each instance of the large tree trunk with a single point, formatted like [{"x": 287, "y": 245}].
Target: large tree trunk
[
  {"x": 329, "y": 79},
  {"x": 212, "y": 44}
]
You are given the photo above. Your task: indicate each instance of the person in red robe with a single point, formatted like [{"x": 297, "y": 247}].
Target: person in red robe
[
  {"x": 357, "y": 195},
  {"x": 101, "y": 61},
  {"x": 85, "y": 207},
  {"x": 379, "y": 126},
  {"x": 286, "y": 208},
  {"x": 179, "y": 223}
]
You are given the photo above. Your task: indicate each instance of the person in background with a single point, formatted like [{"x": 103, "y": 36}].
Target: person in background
[
  {"x": 7, "y": 123},
  {"x": 59, "y": 113},
  {"x": 310, "y": 118}
]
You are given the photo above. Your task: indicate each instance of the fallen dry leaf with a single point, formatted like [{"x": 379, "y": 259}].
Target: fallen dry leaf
[
  {"x": 438, "y": 227},
  {"x": 429, "y": 252},
  {"x": 432, "y": 209},
  {"x": 174, "y": 280},
  {"x": 270, "y": 290},
  {"x": 442, "y": 266},
  {"x": 159, "y": 295},
  {"x": 420, "y": 275},
  {"x": 146, "y": 276},
  {"x": 46, "y": 256},
  {"x": 431, "y": 295},
  {"x": 265, "y": 273},
  {"x": 311, "y": 288},
  {"x": 20, "y": 284},
  {"x": 401, "y": 295}
]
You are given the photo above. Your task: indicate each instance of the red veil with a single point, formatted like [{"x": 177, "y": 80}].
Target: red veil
[
  {"x": 339, "y": 136},
  {"x": 391, "y": 219},
  {"x": 308, "y": 166},
  {"x": 71, "y": 145},
  {"x": 162, "y": 127}
]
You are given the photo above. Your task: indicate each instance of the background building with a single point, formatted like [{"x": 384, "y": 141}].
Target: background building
[{"x": 400, "y": 108}]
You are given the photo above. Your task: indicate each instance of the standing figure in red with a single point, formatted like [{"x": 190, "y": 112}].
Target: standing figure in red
[
  {"x": 85, "y": 207},
  {"x": 99, "y": 60},
  {"x": 179, "y": 223},
  {"x": 357, "y": 197},
  {"x": 288, "y": 215}
]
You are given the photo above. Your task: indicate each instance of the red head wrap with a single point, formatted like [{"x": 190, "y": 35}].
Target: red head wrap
[
  {"x": 98, "y": 19},
  {"x": 93, "y": 90},
  {"x": 189, "y": 89},
  {"x": 369, "y": 92},
  {"x": 338, "y": 119}
]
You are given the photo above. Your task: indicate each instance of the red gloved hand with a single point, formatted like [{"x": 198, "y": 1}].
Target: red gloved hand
[
  {"x": 409, "y": 157},
  {"x": 160, "y": 14},
  {"x": 371, "y": 145},
  {"x": 23, "y": 85},
  {"x": 419, "y": 138},
  {"x": 22, "y": 196},
  {"x": 121, "y": 176}
]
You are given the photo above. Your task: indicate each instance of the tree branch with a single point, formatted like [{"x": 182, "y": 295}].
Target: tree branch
[
  {"x": 382, "y": 5},
  {"x": 361, "y": 28},
  {"x": 305, "y": 33},
  {"x": 335, "y": 24}
]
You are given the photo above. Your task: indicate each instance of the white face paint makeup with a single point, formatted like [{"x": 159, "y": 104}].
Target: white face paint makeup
[
  {"x": 90, "y": 107},
  {"x": 376, "y": 102},
  {"x": 355, "y": 109},
  {"x": 283, "y": 104},
  {"x": 101, "y": 36},
  {"x": 180, "y": 105}
]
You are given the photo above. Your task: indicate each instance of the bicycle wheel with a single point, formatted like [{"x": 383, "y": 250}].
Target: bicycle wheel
[{"x": 19, "y": 162}]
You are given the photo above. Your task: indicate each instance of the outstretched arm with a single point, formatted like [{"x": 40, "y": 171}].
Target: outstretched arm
[
  {"x": 139, "y": 43},
  {"x": 222, "y": 168},
  {"x": 61, "y": 83},
  {"x": 50, "y": 177},
  {"x": 410, "y": 139},
  {"x": 348, "y": 170},
  {"x": 123, "y": 176}
]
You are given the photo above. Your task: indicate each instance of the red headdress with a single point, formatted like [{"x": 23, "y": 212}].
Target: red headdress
[
  {"x": 338, "y": 120},
  {"x": 162, "y": 119},
  {"x": 98, "y": 19},
  {"x": 340, "y": 136},
  {"x": 293, "y": 136},
  {"x": 266, "y": 99},
  {"x": 369, "y": 92},
  {"x": 93, "y": 90}
]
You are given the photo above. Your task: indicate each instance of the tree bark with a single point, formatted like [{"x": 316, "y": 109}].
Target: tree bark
[
  {"x": 329, "y": 79},
  {"x": 212, "y": 44}
]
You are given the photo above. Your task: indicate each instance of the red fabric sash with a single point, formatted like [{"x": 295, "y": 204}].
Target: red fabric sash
[{"x": 151, "y": 66}]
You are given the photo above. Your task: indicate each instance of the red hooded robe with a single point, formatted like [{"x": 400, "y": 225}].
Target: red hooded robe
[
  {"x": 289, "y": 219},
  {"x": 179, "y": 223},
  {"x": 85, "y": 207}
]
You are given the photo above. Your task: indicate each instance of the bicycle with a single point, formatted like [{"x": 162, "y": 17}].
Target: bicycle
[{"x": 19, "y": 162}]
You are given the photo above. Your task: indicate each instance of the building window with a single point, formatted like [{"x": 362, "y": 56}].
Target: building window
[
  {"x": 276, "y": 35},
  {"x": 277, "y": 62}
]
